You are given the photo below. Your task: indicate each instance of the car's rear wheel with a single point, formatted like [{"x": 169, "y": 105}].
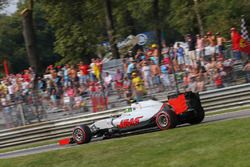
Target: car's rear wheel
[
  {"x": 166, "y": 120},
  {"x": 82, "y": 134}
]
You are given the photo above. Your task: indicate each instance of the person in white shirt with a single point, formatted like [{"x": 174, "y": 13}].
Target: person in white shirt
[
  {"x": 146, "y": 73},
  {"x": 108, "y": 80}
]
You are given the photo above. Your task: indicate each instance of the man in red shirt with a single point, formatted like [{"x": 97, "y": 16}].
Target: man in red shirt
[
  {"x": 235, "y": 37},
  {"x": 26, "y": 76},
  {"x": 84, "y": 71}
]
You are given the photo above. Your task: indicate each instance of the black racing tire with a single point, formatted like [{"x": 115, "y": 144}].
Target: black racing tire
[
  {"x": 166, "y": 120},
  {"x": 82, "y": 134},
  {"x": 198, "y": 118}
]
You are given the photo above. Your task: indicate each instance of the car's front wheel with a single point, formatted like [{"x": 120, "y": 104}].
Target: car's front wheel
[
  {"x": 166, "y": 120},
  {"x": 82, "y": 134}
]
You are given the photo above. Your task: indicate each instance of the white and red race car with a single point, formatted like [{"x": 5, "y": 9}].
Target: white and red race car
[{"x": 183, "y": 108}]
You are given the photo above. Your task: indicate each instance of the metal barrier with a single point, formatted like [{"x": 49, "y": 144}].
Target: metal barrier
[{"x": 211, "y": 100}]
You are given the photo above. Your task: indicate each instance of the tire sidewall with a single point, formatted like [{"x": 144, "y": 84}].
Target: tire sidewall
[
  {"x": 167, "y": 116},
  {"x": 84, "y": 135}
]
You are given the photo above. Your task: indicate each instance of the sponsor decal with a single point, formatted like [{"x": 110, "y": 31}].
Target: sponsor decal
[
  {"x": 142, "y": 39},
  {"x": 129, "y": 122}
]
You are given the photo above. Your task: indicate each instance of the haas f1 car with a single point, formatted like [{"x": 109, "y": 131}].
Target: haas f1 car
[{"x": 180, "y": 109}]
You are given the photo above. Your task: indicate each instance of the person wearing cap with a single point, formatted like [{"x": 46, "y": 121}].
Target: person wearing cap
[
  {"x": 137, "y": 86},
  {"x": 155, "y": 53}
]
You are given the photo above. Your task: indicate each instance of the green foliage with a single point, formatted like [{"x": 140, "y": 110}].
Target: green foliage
[
  {"x": 12, "y": 42},
  {"x": 73, "y": 29},
  {"x": 76, "y": 27},
  {"x": 222, "y": 15}
]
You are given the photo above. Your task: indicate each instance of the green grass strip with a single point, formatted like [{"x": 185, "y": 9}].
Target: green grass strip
[
  {"x": 25, "y": 146},
  {"x": 219, "y": 144},
  {"x": 228, "y": 110}
]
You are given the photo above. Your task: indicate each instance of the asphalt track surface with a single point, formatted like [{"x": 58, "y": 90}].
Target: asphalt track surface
[{"x": 40, "y": 149}]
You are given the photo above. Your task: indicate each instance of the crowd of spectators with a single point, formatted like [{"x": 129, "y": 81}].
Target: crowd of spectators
[{"x": 145, "y": 72}]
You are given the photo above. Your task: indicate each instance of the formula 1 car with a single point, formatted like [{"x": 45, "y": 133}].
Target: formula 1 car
[{"x": 180, "y": 109}]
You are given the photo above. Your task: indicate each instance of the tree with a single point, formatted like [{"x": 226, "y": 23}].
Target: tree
[
  {"x": 12, "y": 43},
  {"x": 157, "y": 27},
  {"x": 110, "y": 28},
  {"x": 123, "y": 19},
  {"x": 198, "y": 16},
  {"x": 30, "y": 41}
]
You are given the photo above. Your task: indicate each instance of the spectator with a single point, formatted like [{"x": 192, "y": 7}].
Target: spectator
[
  {"x": 7, "y": 113},
  {"x": 66, "y": 71},
  {"x": 84, "y": 72},
  {"x": 186, "y": 80},
  {"x": 139, "y": 56},
  {"x": 192, "y": 86},
  {"x": 118, "y": 78},
  {"x": 180, "y": 56},
  {"x": 127, "y": 89},
  {"x": 137, "y": 87},
  {"x": 92, "y": 69},
  {"x": 227, "y": 67},
  {"x": 246, "y": 68},
  {"x": 218, "y": 79},
  {"x": 124, "y": 65},
  {"x": 108, "y": 81},
  {"x": 235, "y": 37},
  {"x": 199, "y": 46},
  {"x": 131, "y": 68},
  {"x": 212, "y": 42},
  {"x": 165, "y": 76},
  {"x": 200, "y": 84},
  {"x": 220, "y": 44},
  {"x": 146, "y": 75},
  {"x": 155, "y": 74},
  {"x": 191, "y": 48},
  {"x": 155, "y": 55},
  {"x": 165, "y": 50},
  {"x": 70, "y": 94}
]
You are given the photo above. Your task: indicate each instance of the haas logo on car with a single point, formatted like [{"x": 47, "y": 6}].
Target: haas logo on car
[{"x": 129, "y": 122}]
